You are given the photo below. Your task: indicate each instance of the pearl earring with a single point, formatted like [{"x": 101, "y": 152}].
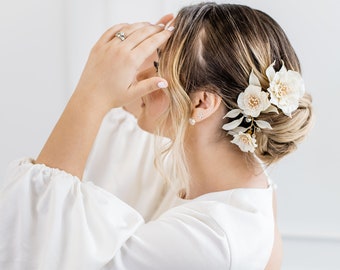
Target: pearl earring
[{"x": 192, "y": 121}]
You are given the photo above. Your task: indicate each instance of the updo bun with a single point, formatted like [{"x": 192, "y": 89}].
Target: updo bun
[{"x": 274, "y": 144}]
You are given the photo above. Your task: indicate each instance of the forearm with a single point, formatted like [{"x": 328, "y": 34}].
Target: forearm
[
  {"x": 108, "y": 81},
  {"x": 71, "y": 140}
]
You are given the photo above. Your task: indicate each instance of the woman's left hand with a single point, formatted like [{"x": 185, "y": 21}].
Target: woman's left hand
[
  {"x": 109, "y": 74},
  {"x": 108, "y": 81}
]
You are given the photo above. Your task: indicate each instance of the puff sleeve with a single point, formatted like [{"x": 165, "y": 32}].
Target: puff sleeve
[{"x": 51, "y": 220}]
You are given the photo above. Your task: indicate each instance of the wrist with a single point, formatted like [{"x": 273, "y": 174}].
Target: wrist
[
  {"x": 89, "y": 102},
  {"x": 71, "y": 140}
]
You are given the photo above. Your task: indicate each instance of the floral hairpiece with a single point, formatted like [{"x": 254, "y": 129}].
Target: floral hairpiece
[{"x": 286, "y": 87}]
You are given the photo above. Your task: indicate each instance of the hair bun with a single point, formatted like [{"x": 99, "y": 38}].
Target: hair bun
[{"x": 286, "y": 133}]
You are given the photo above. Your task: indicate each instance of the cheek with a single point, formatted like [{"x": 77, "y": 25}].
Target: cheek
[{"x": 156, "y": 103}]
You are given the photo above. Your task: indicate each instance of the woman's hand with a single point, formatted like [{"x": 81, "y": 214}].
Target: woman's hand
[
  {"x": 108, "y": 81},
  {"x": 109, "y": 75},
  {"x": 134, "y": 107}
]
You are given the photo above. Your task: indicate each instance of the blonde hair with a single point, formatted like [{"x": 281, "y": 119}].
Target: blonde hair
[{"x": 214, "y": 47}]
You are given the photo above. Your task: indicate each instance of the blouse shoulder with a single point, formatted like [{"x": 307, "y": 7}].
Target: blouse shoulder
[{"x": 243, "y": 216}]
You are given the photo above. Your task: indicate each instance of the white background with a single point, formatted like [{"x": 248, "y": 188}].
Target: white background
[{"x": 43, "y": 48}]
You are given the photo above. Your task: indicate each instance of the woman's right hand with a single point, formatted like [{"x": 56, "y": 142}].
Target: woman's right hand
[{"x": 109, "y": 75}]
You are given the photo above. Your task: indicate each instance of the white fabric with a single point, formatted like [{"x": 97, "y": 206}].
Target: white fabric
[
  {"x": 51, "y": 220},
  {"x": 121, "y": 162}
]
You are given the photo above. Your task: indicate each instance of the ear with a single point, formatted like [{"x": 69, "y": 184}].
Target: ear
[{"x": 204, "y": 104}]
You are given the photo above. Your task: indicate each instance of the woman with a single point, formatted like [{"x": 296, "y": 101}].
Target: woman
[{"x": 230, "y": 98}]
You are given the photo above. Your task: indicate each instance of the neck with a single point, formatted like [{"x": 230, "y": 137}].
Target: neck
[{"x": 217, "y": 165}]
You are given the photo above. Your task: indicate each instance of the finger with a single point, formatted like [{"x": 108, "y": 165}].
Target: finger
[
  {"x": 129, "y": 29},
  {"x": 110, "y": 33},
  {"x": 141, "y": 88},
  {"x": 166, "y": 19},
  {"x": 150, "y": 45},
  {"x": 141, "y": 34}
]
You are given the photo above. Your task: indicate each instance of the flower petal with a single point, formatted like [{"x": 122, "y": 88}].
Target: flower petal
[
  {"x": 232, "y": 113},
  {"x": 263, "y": 124},
  {"x": 233, "y": 124},
  {"x": 283, "y": 68},
  {"x": 271, "y": 108},
  {"x": 253, "y": 80},
  {"x": 270, "y": 72},
  {"x": 237, "y": 130},
  {"x": 245, "y": 142}
]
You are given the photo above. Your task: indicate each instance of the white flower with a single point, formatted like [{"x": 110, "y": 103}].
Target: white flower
[
  {"x": 253, "y": 100},
  {"x": 245, "y": 142},
  {"x": 285, "y": 88}
]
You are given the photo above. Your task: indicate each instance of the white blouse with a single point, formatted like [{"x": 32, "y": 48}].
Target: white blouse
[
  {"x": 51, "y": 220},
  {"x": 121, "y": 162}
]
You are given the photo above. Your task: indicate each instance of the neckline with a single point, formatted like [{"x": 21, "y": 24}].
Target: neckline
[{"x": 222, "y": 192}]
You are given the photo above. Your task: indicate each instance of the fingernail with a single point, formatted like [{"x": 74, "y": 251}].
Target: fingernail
[
  {"x": 162, "y": 84},
  {"x": 171, "y": 28},
  {"x": 161, "y": 25}
]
